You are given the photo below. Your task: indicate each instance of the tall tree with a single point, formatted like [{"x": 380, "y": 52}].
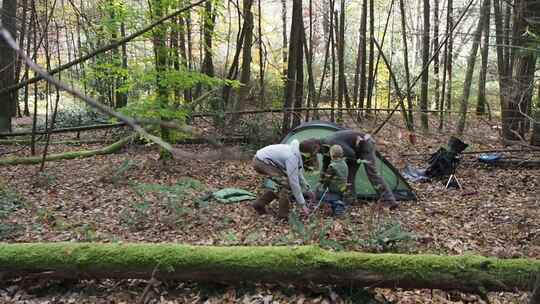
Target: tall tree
[
  {"x": 341, "y": 59},
  {"x": 159, "y": 9},
  {"x": 7, "y": 65},
  {"x": 518, "y": 93},
  {"x": 406, "y": 62},
  {"x": 359, "y": 89},
  {"x": 295, "y": 46},
  {"x": 425, "y": 69},
  {"x": 245, "y": 74},
  {"x": 450, "y": 55},
  {"x": 470, "y": 68},
  {"x": 371, "y": 64},
  {"x": 284, "y": 37},
  {"x": 481, "y": 100},
  {"x": 208, "y": 33},
  {"x": 436, "y": 63}
]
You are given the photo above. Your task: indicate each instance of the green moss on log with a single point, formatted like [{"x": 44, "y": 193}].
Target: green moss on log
[
  {"x": 68, "y": 155},
  {"x": 302, "y": 265}
]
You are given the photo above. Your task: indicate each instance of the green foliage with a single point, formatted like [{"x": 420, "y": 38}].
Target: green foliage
[
  {"x": 314, "y": 231},
  {"x": 259, "y": 130},
  {"x": 9, "y": 202},
  {"x": 120, "y": 172},
  {"x": 177, "y": 200},
  {"x": 9, "y": 230},
  {"x": 388, "y": 237},
  {"x": 76, "y": 115}
]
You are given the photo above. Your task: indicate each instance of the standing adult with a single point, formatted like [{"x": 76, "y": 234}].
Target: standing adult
[
  {"x": 283, "y": 164},
  {"x": 357, "y": 148}
]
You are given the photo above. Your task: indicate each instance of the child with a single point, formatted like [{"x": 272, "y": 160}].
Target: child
[{"x": 333, "y": 185}]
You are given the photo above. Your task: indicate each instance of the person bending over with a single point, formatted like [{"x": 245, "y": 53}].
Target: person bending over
[
  {"x": 357, "y": 148},
  {"x": 283, "y": 164}
]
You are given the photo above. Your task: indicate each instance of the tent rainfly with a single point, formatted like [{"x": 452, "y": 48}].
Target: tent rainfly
[{"x": 364, "y": 189}]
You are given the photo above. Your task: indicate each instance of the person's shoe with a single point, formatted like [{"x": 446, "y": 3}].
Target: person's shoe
[
  {"x": 260, "y": 208},
  {"x": 338, "y": 209},
  {"x": 260, "y": 204}
]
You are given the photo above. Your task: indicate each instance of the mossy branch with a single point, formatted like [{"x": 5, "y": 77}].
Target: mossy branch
[
  {"x": 300, "y": 265},
  {"x": 68, "y": 155}
]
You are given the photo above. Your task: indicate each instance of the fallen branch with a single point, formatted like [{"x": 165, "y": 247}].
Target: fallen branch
[
  {"x": 65, "y": 130},
  {"x": 74, "y": 142},
  {"x": 68, "y": 155},
  {"x": 299, "y": 265}
]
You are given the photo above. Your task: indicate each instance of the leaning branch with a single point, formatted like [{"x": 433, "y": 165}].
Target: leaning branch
[
  {"x": 65, "y": 130},
  {"x": 300, "y": 265},
  {"x": 106, "y": 48}
]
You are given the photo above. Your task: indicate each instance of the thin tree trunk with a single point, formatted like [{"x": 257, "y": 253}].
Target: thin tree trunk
[
  {"x": 299, "y": 90},
  {"x": 450, "y": 57},
  {"x": 481, "y": 99},
  {"x": 371, "y": 64},
  {"x": 436, "y": 63},
  {"x": 290, "y": 88},
  {"x": 341, "y": 59},
  {"x": 284, "y": 38},
  {"x": 19, "y": 62},
  {"x": 245, "y": 74},
  {"x": 470, "y": 68},
  {"x": 360, "y": 89},
  {"x": 406, "y": 63},
  {"x": 261, "y": 57},
  {"x": 425, "y": 65},
  {"x": 7, "y": 65}
]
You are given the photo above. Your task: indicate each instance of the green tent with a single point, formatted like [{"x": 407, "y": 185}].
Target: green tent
[{"x": 364, "y": 189}]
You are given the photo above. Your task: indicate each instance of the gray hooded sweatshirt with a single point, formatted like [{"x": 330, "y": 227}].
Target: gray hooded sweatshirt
[{"x": 289, "y": 160}]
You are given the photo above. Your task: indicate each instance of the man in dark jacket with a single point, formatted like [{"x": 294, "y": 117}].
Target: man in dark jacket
[{"x": 357, "y": 148}]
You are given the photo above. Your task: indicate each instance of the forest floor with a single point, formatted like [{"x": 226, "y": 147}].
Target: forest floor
[{"x": 131, "y": 196}]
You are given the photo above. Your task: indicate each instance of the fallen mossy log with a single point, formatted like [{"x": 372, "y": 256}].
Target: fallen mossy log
[
  {"x": 299, "y": 265},
  {"x": 67, "y": 155}
]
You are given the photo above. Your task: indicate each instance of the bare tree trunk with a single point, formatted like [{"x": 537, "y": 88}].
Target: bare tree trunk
[
  {"x": 295, "y": 36},
  {"x": 436, "y": 63},
  {"x": 470, "y": 68},
  {"x": 161, "y": 54},
  {"x": 19, "y": 63},
  {"x": 261, "y": 57},
  {"x": 517, "y": 99},
  {"x": 340, "y": 34},
  {"x": 481, "y": 100},
  {"x": 450, "y": 56},
  {"x": 245, "y": 74},
  {"x": 360, "y": 75},
  {"x": 7, "y": 65},
  {"x": 371, "y": 65},
  {"x": 208, "y": 32},
  {"x": 284, "y": 51},
  {"x": 299, "y": 90},
  {"x": 406, "y": 63},
  {"x": 425, "y": 64}
]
